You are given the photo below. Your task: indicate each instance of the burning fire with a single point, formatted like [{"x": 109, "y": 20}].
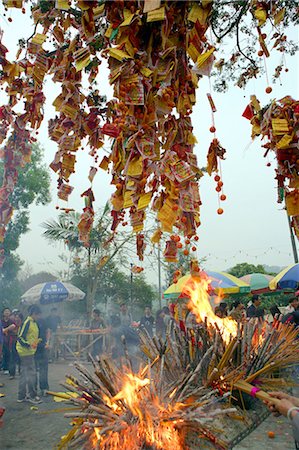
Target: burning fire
[
  {"x": 199, "y": 304},
  {"x": 143, "y": 421}
]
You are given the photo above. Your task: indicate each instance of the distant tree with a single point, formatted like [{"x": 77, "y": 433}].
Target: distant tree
[
  {"x": 37, "y": 278},
  {"x": 92, "y": 259},
  {"x": 239, "y": 270},
  {"x": 116, "y": 285},
  {"x": 33, "y": 187}
]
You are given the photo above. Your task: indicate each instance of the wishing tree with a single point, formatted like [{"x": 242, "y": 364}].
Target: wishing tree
[{"x": 156, "y": 51}]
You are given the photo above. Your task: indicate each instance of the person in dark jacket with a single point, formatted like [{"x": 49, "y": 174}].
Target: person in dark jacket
[
  {"x": 8, "y": 328},
  {"x": 254, "y": 309},
  {"x": 147, "y": 321}
]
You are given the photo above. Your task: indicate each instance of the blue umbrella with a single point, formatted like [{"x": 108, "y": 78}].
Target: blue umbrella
[
  {"x": 286, "y": 279},
  {"x": 52, "y": 292}
]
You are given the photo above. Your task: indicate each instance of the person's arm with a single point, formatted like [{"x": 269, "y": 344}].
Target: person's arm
[
  {"x": 295, "y": 424},
  {"x": 48, "y": 338},
  {"x": 9, "y": 328}
]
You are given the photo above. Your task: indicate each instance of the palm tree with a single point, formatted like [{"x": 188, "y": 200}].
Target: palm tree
[{"x": 103, "y": 245}]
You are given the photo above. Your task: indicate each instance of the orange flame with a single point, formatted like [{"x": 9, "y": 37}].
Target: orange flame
[
  {"x": 199, "y": 304},
  {"x": 153, "y": 426}
]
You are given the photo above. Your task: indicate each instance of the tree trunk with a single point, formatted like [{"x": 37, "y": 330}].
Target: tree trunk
[{"x": 91, "y": 293}]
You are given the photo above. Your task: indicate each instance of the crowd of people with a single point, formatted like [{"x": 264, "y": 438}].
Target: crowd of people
[
  {"x": 26, "y": 345},
  {"x": 24, "y": 348},
  {"x": 254, "y": 309}
]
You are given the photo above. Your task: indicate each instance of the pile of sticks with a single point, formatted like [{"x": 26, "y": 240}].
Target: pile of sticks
[
  {"x": 121, "y": 410},
  {"x": 258, "y": 353},
  {"x": 186, "y": 382}
]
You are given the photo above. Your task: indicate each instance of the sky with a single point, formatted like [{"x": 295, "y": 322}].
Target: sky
[{"x": 253, "y": 228}]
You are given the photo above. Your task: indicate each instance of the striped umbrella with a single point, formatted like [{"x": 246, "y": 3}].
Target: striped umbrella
[
  {"x": 52, "y": 292},
  {"x": 258, "y": 282},
  {"x": 220, "y": 281},
  {"x": 286, "y": 279}
]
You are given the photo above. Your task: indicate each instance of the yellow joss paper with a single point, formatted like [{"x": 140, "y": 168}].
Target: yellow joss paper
[
  {"x": 156, "y": 237},
  {"x": 103, "y": 261},
  {"x": 128, "y": 202},
  {"x": 109, "y": 31},
  {"x": 255, "y": 103},
  {"x": 144, "y": 200},
  {"x": 198, "y": 13},
  {"x": 62, "y": 4},
  {"x": 284, "y": 141},
  {"x": 261, "y": 15},
  {"x": 62, "y": 396},
  {"x": 135, "y": 167},
  {"x": 13, "y": 3},
  {"x": 39, "y": 39},
  {"x": 98, "y": 10},
  {"x": 146, "y": 71},
  {"x": 280, "y": 126},
  {"x": 119, "y": 54},
  {"x": 279, "y": 16},
  {"x": 82, "y": 58},
  {"x": 204, "y": 56},
  {"x": 193, "y": 52},
  {"x": 292, "y": 203},
  {"x": 128, "y": 16},
  {"x": 156, "y": 15},
  {"x": 151, "y": 5},
  {"x": 104, "y": 164},
  {"x": 167, "y": 216}
]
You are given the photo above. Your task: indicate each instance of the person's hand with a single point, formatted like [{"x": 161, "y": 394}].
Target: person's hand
[
  {"x": 282, "y": 395},
  {"x": 34, "y": 345},
  {"x": 280, "y": 406}
]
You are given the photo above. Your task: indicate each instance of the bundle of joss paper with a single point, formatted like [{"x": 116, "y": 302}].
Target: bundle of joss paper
[
  {"x": 192, "y": 387},
  {"x": 151, "y": 48},
  {"x": 278, "y": 123}
]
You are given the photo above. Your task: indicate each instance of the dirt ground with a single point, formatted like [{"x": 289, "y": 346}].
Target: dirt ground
[{"x": 27, "y": 428}]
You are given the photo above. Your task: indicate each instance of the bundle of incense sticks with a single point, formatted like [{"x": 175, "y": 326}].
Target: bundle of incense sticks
[
  {"x": 200, "y": 357},
  {"x": 185, "y": 381},
  {"x": 123, "y": 410}
]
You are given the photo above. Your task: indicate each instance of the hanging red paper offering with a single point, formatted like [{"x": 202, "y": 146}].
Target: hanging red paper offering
[
  {"x": 149, "y": 51},
  {"x": 278, "y": 123},
  {"x": 156, "y": 52}
]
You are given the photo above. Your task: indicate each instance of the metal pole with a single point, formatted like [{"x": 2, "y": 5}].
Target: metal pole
[
  {"x": 159, "y": 275},
  {"x": 293, "y": 242},
  {"x": 131, "y": 284}
]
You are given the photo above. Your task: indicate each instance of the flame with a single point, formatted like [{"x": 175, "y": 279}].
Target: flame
[
  {"x": 153, "y": 423},
  {"x": 129, "y": 392},
  {"x": 199, "y": 304}
]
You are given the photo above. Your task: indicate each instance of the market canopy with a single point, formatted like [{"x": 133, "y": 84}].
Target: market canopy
[
  {"x": 258, "y": 282},
  {"x": 221, "y": 282},
  {"x": 52, "y": 292},
  {"x": 286, "y": 279}
]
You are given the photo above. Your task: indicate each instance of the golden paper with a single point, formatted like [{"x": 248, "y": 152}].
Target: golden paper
[
  {"x": 156, "y": 15},
  {"x": 144, "y": 200}
]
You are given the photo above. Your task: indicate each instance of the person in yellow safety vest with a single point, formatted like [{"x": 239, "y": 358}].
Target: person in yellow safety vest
[{"x": 26, "y": 347}]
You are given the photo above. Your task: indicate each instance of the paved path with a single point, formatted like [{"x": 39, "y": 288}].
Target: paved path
[{"x": 29, "y": 429}]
